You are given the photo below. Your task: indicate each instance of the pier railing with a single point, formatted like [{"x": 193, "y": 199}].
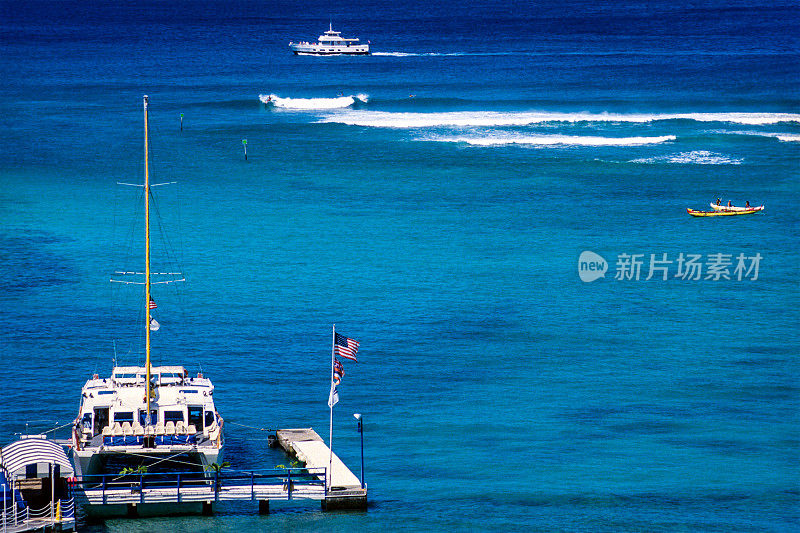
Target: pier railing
[
  {"x": 186, "y": 487},
  {"x": 16, "y": 519}
]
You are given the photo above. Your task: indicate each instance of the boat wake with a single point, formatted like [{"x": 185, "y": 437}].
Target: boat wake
[
  {"x": 418, "y": 54},
  {"x": 273, "y": 100},
  {"x": 385, "y": 119},
  {"x": 551, "y": 140},
  {"x": 443, "y": 54}
]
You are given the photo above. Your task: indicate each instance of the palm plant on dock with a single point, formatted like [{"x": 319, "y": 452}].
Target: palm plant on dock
[{"x": 216, "y": 467}]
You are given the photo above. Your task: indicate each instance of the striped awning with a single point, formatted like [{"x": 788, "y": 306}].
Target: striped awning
[{"x": 17, "y": 455}]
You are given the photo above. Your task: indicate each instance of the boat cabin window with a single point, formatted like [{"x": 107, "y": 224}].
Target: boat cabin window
[
  {"x": 125, "y": 416},
  {"x": 143, "y": 415},
  {"x": 173, "y": 416},
  {"x": 86, "y": 421},
  {"x": 209, "y": 418},
  {"x": 104, "y": 392},
  {"x": 100, "y": 419},
  {"x": 166, "y": 378},
  {"x": 196, "y": 416}
]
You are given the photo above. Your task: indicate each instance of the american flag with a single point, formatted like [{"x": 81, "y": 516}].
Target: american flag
[
  {"x": 152, "y": 304},
  {"x": 345, "y": 347}
]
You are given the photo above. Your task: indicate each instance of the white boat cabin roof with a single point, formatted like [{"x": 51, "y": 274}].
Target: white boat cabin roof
[
  {"x": 334, "y": 36},
  {"x": 132, "y": 376},
  {"x": 125, "y": 389}
]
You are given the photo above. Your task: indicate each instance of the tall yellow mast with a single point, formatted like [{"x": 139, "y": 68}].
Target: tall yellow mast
[{"x": 147, "y": 255}]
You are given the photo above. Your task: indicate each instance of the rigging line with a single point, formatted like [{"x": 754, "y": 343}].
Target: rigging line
[
  {"x": 168, "y": 246},
  {"x": 171, "y": 260},
  {"x": 251, "y": 427},
  {"x": 59, "y": 427},
  {"x": 127, "y": 256},
  {"x": 27, "y": 422},
  {"x": 111, "y": 288},
  {"x": 178, "y": 210},
  {"x": 170, "y": 458},
  {"x": 154, "y": 203}
]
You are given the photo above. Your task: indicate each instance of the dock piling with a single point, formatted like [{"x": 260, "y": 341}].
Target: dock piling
[{"x": 263, "y": 507}]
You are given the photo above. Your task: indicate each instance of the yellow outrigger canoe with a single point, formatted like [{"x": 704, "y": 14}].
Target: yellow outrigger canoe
[{"x": 696, "y": 213}]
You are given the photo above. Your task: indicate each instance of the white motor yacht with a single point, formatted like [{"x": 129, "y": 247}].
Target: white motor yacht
[{"x": 330, "y": 43}]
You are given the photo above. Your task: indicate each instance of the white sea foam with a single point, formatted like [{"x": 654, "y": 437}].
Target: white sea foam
[
  {"x": 695, "y": 157},
  {"x": 396, "y": 54},
  {"x": 784, "y": 137},
  {"x": 385, "y": 119},
  {"x": 549, "y": 140},
  {"x": 312, "y": 103}
]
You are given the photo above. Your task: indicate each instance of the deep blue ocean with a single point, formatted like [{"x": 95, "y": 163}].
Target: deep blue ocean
[{"x": 432, "y": 200}]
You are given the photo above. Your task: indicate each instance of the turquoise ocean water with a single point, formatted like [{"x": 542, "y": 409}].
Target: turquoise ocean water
[{"x": 433, "y": 201}]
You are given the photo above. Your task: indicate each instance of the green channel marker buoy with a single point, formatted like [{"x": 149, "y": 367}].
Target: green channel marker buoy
[
  {"x": 244, "y": 143},
  {"x": 181, "y": 121}
]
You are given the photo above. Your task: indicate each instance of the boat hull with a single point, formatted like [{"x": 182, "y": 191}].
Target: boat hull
[
  {"x": 696, "y": 213},
  {"x": 303, "y": 53},
  {"x": 90, "y": 462}
]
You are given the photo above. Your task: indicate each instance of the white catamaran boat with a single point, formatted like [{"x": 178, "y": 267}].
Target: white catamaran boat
[
  {"x": 330, "y": 43},
  {"x": 154, "y": 419}
]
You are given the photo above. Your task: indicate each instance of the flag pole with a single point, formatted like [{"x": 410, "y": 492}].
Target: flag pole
[{"x": 330, "y": 403}]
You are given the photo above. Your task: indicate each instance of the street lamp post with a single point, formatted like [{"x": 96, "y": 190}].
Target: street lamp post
[{"x": 357, "y": 416}]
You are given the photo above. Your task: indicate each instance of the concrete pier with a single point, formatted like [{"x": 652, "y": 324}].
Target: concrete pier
[{"x": 344, "y": 490}]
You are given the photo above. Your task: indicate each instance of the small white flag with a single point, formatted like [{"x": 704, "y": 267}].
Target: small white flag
[
  {"x": 333, "y": 397},
  {"x": 154, "y": 325}
]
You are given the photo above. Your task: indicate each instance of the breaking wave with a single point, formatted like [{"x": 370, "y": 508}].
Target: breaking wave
[
  {"x": 783, "y": 137},
  {"x": 564, "y": 140},
  {"x": 385, "y": 119},
  {"x": 312, "y": 103},
  {"x": 696, "y": 157}
]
